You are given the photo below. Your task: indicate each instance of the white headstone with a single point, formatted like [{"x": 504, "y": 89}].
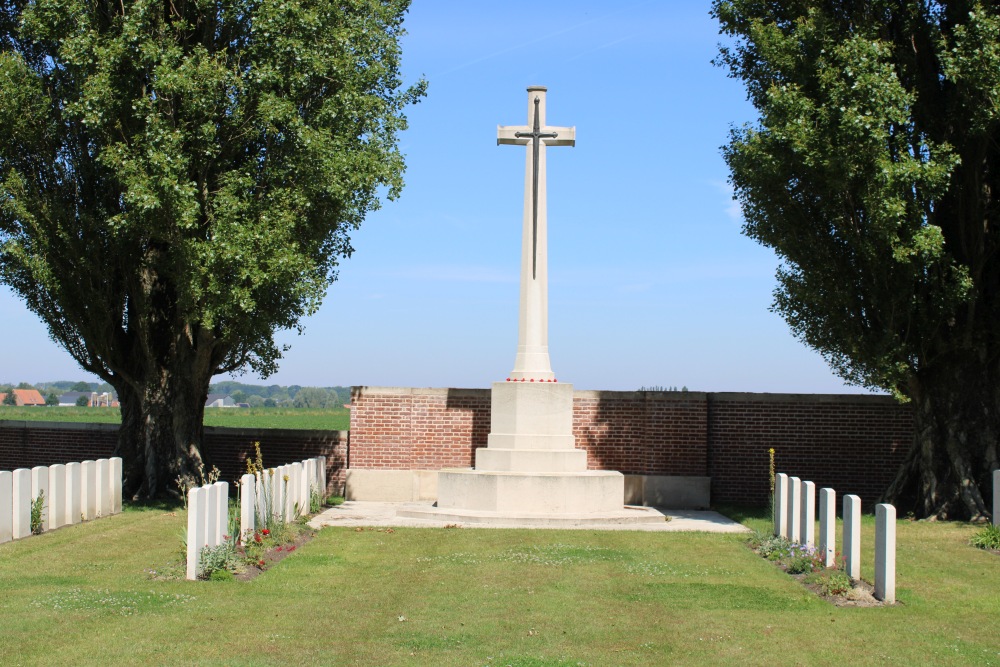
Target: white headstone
[
  {"x": 248, "y": 493},
  {"x": 794, "y": 508},
  {"x": 116, "y": 485},
  {"x": 21, "y": 517},
  {"x": 828, "y": 526},
  {"x": 807, "y": 529},
  {"x": 277, "y": 499},
  {"x": 103, "y": 487},
  {"x": 285, "y": 484},
  {"x": 301, "y": 474},
  {"x": 40, "y": 486},
  {"x": 6, "y": 506},
  {"x": 261, "y": 499},
  {"x": 885, "y": 553},
  {"x": 311, "y": 484},
  {"x": 321, "y": 464},
  {"x": 291, "y": 489},
  {"x": 73, "y": 487},
  {"x": 996, "y": 497},
  {"x": 211, "y": 512},
  {"x": 222, "y": 509},
  {"x": 196, "y": 528},
  {"x": 88, "y": 489},
  {"x": 852, "y": 537},
  {"x": 57, "y": 495},
  {"x": 781, "y": 505}
]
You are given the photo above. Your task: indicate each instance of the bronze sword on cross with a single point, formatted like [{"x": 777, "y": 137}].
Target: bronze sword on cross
[{"x": 536, "y": 135}]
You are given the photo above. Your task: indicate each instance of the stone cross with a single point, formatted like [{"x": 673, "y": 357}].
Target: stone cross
[{"x": 532, "y": 362}]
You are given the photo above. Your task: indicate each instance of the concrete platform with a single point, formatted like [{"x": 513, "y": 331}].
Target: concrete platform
[
  {"x": 627, "y": 515},
  {"x": 357, "y": 513}
]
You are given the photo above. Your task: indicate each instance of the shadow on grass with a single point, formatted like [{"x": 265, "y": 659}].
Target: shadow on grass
[
  {"x": 744, "y": 513},
  {"x": 159, "y": 504}
]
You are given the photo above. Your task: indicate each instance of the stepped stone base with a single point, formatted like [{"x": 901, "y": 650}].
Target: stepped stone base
[
  {"x": 626, "y": 516},
  {"x": 541, "y": 493}
]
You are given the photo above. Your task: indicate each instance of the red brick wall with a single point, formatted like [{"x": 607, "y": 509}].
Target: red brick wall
[
  {"x": 643, "y": 433},
  {"x": 29, "y": 444},
  {"x": 418, "y": 429},
  {"x": 853, "y": 443}
]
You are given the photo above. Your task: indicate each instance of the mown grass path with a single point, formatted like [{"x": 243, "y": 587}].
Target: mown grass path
[{"x": 82, "y": 595}]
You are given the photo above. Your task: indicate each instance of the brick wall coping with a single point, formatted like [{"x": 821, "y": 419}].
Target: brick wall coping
[
  {"x": 276, "y": 432},
  {"x": 57, "y": 426},
  {"x": 731, "y": 397},
  {"x": 420, "y": 391},
  {"x": 221, "y": 430}
]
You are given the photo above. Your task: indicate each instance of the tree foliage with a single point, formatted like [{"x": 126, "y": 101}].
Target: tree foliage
[
  {"x": 178, "y": 180},
  {"x": 873, "y": 173}
]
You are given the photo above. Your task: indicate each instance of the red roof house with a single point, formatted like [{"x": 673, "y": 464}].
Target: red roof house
[{"x": 25, "y": 397}]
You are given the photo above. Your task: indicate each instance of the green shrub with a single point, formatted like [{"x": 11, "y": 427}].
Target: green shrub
[
  {"x": 333, "y": 501},
  {"x": 37, "y": 507},
  {"x": 315, "y": 500},
  {"x": 221, "y": 575},
  {"x": 222, "y": 557},
  {"x": 987, "y": 538}
]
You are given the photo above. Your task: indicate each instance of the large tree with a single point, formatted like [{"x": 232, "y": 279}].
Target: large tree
[
  {"x": 873, "y": 172},
  {"x": 178, "y": 179}
]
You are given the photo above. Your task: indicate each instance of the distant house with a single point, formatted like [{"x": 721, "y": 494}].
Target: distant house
[
  {"x": 94, "y": 400},
  {"x": 70, "y": 398},
  {"x": 25, "y": 397},
  {"x": 220, "y": 401}
]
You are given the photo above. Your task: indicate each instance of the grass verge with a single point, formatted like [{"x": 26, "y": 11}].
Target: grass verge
[
  {"x": 334, "y": 419},
  {"x": 82, "y": 595}
]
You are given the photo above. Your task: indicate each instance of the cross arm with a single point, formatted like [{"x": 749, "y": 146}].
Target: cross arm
[
  {"x": 565, "y": 136},
  {"x": 505, "y": 135}
]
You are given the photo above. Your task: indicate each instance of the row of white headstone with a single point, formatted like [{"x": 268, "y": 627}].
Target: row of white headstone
[
  {"x": 283, "y": 493},
  {"x": 795, "y": 520},
  {"x": 70, "y": 492}
]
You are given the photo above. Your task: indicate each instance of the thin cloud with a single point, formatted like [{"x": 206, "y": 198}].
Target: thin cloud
[{"x": 733, "y": 209}]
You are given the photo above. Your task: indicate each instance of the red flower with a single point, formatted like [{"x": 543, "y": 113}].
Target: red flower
[
  {"x": 257, "y": 539},
  {"x": 291, "y": 548},
  {"x": 265, "y": 532},
  {"x": 278, "y": 549},
  {"x": 260, "y": 563}
]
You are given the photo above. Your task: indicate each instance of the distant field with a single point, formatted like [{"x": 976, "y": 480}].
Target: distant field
[{"x": 336, "y": 419}]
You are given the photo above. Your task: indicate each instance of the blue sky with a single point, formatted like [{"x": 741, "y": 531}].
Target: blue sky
[{"x": 651, "y": 282}]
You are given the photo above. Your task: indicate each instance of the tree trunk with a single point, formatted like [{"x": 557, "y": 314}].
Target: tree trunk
[
  {"x": 947, "y": 473},
  {"x": 160, "y": 440}
]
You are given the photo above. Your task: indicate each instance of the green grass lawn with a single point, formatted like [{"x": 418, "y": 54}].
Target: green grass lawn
[
  {"x": 336, "y": 419},
  {"x": 82, "y": 595}
]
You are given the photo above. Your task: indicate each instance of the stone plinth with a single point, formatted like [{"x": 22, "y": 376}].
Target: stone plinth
[
  {"x": 530, "y": 469},
  {"x": 531, "y": 430},
  {"x": 525, "y": 492}
]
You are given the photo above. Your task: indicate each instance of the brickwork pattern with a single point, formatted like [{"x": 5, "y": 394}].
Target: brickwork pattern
[
  {"x": 418, "y": 429},
  {"x": 853, "y": 445},
  {"x": 642, "y": 433},
  {"x": 29, "y": 444}
]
